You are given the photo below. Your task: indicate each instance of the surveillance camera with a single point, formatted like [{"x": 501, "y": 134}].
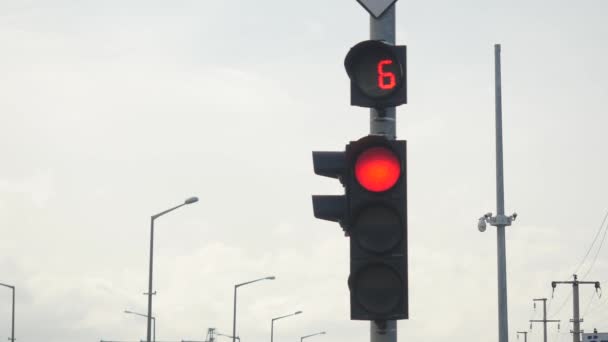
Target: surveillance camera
[
  {"x": 481, "y": 225},
  {"x": 514, "y": 216},
  {"x": 487, "y": 215}
]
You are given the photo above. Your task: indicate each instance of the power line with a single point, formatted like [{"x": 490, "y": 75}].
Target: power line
[
  {"x": 597, "y": 234},
  {"x": 592, "y": 244},
  {"x": 562, "y": 306},
  {"x": 599, "y": 306},
  {"x": 599, "y": 248},
  {"x": 588, "y": 305}
]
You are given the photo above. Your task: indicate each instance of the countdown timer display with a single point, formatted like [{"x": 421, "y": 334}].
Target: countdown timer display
[{"x": 377, "y": 72}]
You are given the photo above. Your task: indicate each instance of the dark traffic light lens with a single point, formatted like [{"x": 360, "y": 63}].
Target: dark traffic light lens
[
  {"x": 377, "y": 72},
  {"x": 378, "y": 229},
  {"x": 378, "y": 288},
  {"x": 377, "y": 169}
]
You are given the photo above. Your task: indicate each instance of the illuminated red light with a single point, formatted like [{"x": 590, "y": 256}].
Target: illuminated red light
[
  {"x": 377, "y": 169},
  {"x": 386, "y": 79}
]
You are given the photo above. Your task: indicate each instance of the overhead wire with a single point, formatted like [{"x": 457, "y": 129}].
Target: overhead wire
[
  {"x": 591, "y": 301},
  {"x": 589, "y": 269},
  {"x": 592, "y": 244},
  {"x": 598, "y": 249},
  {"x": 582, "y": 262},
  {"x": 600, "y": 305},
  {"x": 561, "y": 307},
  {"x": 588, "y": 304}
]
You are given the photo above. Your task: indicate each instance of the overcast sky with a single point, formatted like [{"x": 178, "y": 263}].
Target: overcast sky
[{"x": 112, "y": 111}]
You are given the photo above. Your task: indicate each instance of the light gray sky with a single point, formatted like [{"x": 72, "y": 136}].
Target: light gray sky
[{"x": 112, "y": 111}]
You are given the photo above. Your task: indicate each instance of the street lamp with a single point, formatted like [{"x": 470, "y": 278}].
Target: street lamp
[
  {"x": 277, "y": 318},
  {"x": 13, "y": 314},
  {"x": 234, "y": 308},
  {"x": 154, "y": 217},
  {"x": 218, "y": 334},
  {"x": 307, "y": 336},
  {"x": 153, "y": 322}
]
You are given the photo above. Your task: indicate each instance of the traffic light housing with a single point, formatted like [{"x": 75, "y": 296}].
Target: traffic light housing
[
  {"x": 378, "y": 74},
  {"x": 373, "y": 213}
]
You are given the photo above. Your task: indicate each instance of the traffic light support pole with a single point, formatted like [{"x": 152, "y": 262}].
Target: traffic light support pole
[{"x": 383, "y": 122}]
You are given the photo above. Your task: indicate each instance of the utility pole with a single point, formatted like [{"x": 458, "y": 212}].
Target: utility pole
[
  {"x": 576, "y": 320},
  {"x": 544, "y": 320},
  {"x": 525, "y": 335}
]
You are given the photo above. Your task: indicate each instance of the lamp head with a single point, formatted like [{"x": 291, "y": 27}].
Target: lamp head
[
  {"x": 297, "y": 312},
  {"x": 191, "y": 200},
  {"x": 481, "y": 225},
  {"x": 271, "y": 278}
]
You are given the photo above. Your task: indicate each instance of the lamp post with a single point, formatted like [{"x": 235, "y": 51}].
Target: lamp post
[
  {"x": 153, "y": 322},
  {"x": 234, "y": 306},
  {"x": 13, "y": 312},
  {"x": 307, "y": 336},
  {"x": 277, "y": 318},
  {"x": 218, "y": 334},
  {"x": 154, "y": 217},
  {"x": 238, "y": 338}
]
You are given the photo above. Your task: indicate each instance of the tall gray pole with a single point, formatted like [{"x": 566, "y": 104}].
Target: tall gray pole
[
  {"x": 149, "y": 318},
  {"x": 503, "y": 324},
  {"x": 383, "y": 122},
  {"x": 234, "y": 337},
  {"x": 150, "y": 293},
  {"x": 277, "y": 318}
]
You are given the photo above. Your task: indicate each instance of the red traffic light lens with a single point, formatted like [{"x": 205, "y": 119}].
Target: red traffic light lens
[{"x": 377, "y": 169}]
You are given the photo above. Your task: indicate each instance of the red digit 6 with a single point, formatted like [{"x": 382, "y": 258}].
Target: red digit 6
[{"x": 384, "y": 76}]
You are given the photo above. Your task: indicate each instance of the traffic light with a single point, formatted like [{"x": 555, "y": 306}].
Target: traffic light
[
  {"x": 378, "y": 74},
  {"x": 373, "y": 213}
]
